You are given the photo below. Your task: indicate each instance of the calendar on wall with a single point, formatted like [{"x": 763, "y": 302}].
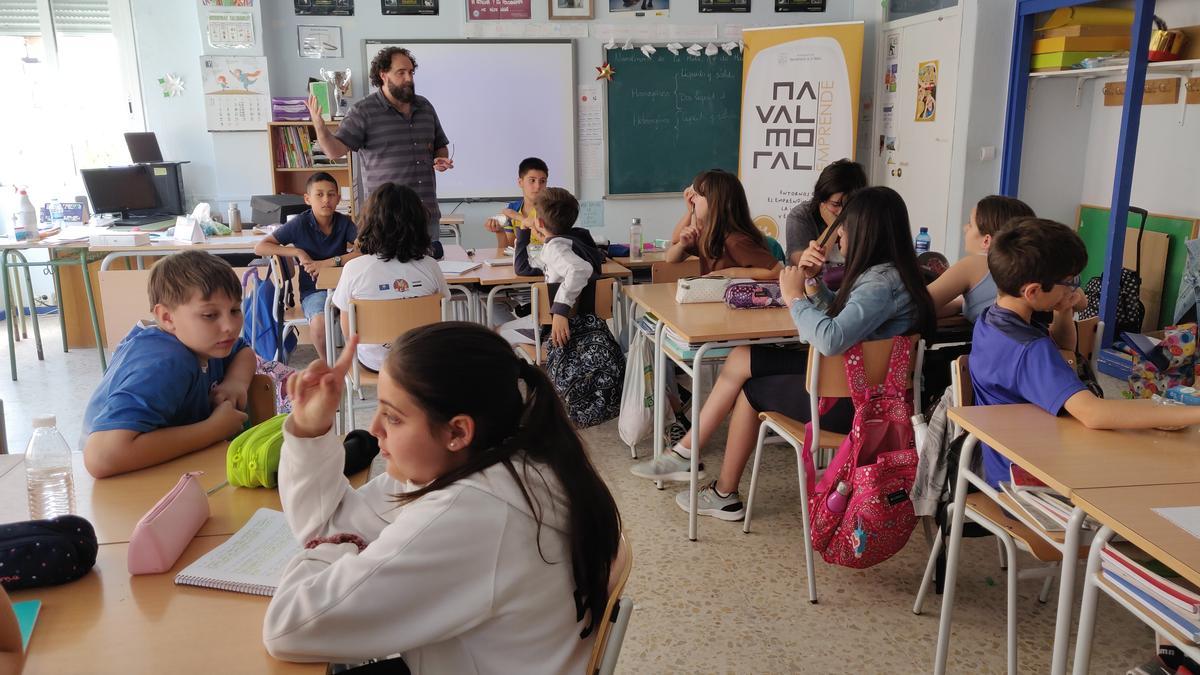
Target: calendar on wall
[{"x": 236, "y": 93}]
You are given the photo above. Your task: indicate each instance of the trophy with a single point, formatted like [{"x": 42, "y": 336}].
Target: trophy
[{"x": 339, "y": 81}]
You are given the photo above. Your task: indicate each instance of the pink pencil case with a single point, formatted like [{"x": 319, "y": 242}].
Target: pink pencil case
[{"x": 161, "y": 535}]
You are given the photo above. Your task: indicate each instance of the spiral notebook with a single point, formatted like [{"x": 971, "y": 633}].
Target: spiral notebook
[{"x": 251, "y": 561}]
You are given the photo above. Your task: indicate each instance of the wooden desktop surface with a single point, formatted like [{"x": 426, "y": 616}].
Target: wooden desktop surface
[
  {"x": 1128, "y": 511},
  {"x": 1068, "y": 456},
  {"x": 648, "y": 258},
  {"x": 110, "y": 622},
  {"x": 115, "y": 505},
  {"x": 505, "y": 274},
  {"x": 232, "y": 242},
  {"x": 710, "y": 321}
]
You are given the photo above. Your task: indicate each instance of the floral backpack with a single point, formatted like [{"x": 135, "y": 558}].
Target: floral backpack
[{"x": 877, "y": 461}]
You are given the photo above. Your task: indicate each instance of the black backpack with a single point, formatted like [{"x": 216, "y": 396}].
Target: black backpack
[{"x": 1130, "y": 310}]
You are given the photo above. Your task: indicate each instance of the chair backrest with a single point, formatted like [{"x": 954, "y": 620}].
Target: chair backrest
[
  {"x": 667, "y": 272},
  {"x": 604, "y": 289},
  {"x": 831, "y": 378},
  {"x": 1088, "y": 333},
  {"x": 960, "y": 379},
  {"x": 377, "y": 322},
  {"x": 617, "y": 576},
  {"x": 260, "y": 399}
]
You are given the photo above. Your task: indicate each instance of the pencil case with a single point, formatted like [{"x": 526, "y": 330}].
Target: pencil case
[
  {"x": 160, "y": 536},
  {"x": 35, "y": 553},
  {"x": 700, "y": 289},
  {"x": 753, "y": 295}
]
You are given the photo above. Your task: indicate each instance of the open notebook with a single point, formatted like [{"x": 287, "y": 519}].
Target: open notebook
[{"x": 251, "y": 561}]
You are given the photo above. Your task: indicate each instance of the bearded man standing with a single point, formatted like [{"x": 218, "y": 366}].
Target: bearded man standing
[{"x": 395, "y": 132}]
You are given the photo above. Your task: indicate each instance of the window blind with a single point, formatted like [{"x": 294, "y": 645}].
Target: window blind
[
  {"x": 19, "y": 17},
  {"x": 80, "y": 16}
]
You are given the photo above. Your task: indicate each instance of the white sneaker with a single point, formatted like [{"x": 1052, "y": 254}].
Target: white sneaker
[
  {"x": 709, "y": 503},
  {"x": 671, "y": 466}
]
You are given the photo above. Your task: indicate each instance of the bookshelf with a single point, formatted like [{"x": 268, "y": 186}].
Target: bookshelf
[{"x": 292, "y": 162}]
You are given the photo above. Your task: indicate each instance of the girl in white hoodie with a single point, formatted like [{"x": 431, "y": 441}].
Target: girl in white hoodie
[{"x": 485, "y": 548}]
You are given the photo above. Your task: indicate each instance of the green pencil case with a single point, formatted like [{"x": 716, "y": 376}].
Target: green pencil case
[{"x": 253, "y": 457}]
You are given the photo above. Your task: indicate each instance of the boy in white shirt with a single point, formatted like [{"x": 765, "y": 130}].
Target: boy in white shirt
[{"x": 395, "y": 261}]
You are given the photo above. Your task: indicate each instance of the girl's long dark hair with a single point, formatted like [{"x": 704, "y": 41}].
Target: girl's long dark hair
[
  {"x": 728, "y": 212},
  {"x": 394, "y": 224},
  {"x": 455, "y": 368},
  {"x": 875, "y": 225}
]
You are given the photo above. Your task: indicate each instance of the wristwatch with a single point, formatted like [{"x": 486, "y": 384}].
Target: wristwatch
[{"x": 337, "y": 261}]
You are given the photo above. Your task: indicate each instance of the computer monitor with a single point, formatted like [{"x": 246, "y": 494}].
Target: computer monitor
[
  {"x": 143, "y": 147},
  {"x": 120, "y": 189}
]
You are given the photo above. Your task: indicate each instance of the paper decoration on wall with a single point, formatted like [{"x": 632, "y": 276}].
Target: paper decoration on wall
[
  {"x": 612, "y": 43},
  {"x": 636, "y": 9},
  {"x": 648, "y": 50},
  {"x": 728, "y": 48},
  {"x": 674, "y": 48},
  {"x": 694, "y": 50},
  {"x": 236, "y": 94},
  {"x": 927, "y": 80},
  {"x": 710, "y": 49},
  {"x": 605, "y": 72},
  {"x": 628, "y": 44},
  {"x": 231, "y": 29},
  {"x": 320, "y": 42},
  {"x": 172, "y": 85},
  {"x": 324, "y": 7}
]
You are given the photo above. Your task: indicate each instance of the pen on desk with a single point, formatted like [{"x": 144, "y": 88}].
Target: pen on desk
[{"x": 218, "y": 486}]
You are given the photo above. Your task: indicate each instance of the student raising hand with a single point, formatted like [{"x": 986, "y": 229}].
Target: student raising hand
[{"x": 316, "y": 392}]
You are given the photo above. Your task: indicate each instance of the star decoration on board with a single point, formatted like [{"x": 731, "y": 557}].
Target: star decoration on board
[
  {"x": 605, "y": 72},
  {"x": 172, "y": 85}
]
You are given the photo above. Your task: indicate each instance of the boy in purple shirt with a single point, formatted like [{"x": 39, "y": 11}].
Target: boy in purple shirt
[{"x": 1036, "y": 264}]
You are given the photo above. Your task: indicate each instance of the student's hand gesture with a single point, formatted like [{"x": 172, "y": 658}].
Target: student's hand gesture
[
  {"x": 443, "y": 163},
  {"x": 539, "y": 228},
  {"x": 559, "y": 330},
  {"x": 227, "y": 420},
  {"x": 512, "y": 215},
  {"x": 314, "y": 111},
  {"x": 791, "y": 284},
  {"x": 314, "y": 267},
  {"x": 688, "y": 194},
  {"x": 812, "y": 261},
  {"x": 492, "y": 225},
  {"x": 224, "y": 391},
  {"x": 316, "y": 392},
  {"x": 689, "y": 235}
]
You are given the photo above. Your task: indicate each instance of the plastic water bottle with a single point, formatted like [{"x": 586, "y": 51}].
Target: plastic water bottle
[
  {"x": 56, "y": 213},
  {"x": 923, "y": 241},
  {"x": 635, "y": 239},
  {"x": 27, "y": 216},
  {"x": 48, "y": 476},
  {"x": 837, "y": 500}
]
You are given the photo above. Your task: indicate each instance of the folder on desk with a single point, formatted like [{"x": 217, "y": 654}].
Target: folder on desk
[
  {"x": 453, "y": 268},
  {"x": 27, "y": 614},
  {"x": 498, "y": 262}
]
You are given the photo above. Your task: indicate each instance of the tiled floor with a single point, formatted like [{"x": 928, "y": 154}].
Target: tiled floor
[{"x": 730, "y": 602}]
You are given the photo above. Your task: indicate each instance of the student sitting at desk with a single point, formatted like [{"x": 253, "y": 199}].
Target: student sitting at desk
[
  {"x": 883, "y": 295},
  {"x": 1036, "y": 264},
  {"x": 485, "y": 547},
  {"x": 532, "y": 174},
  {"x": 724, "y": 236},
  {"x": 178, "y": 386},
  {"x": 967, "y": 288},
  {"x": 808, "y": 220},
  {"x": 318, "y": 238},
  {"x": 394, "y": 261}
]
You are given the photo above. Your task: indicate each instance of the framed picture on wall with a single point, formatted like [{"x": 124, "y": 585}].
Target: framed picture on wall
[
  {"x": 799, "y": 5},
  {"x": 571, "y": 9},
  {"x": 320, "y": 42},
  {"x": 715, "y": 6},
  {"x": 324, "y": 7},
  {"x": 409, "y": 7}
]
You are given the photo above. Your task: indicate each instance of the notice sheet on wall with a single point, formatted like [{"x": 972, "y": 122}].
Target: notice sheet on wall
[{"x": 236, "y": 94}]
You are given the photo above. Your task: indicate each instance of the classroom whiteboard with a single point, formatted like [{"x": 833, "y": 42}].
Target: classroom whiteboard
[{"x": 499, "y": 102}]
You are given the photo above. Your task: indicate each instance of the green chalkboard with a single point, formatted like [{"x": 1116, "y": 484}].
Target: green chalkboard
[
  {"x": 1093, "y": 229},
  {"x": 670, "y": 117}
]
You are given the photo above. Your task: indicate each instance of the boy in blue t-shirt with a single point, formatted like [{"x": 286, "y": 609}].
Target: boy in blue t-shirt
[
  {"x": 532, "y": 175},
  {"x": 318, "y": 238},
  {"x": 1035, "y": 264},
  {"x": 180, "y": 385}
]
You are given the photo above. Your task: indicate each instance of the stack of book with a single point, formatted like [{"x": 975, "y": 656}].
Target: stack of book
[
  {"x": 1073, "y": 34},
  {"x": 674, "y": 343},
  {"x": 292, "y": 147},
  {"x": 1174, "y": 601},
  {"x": 1038, "y": 501}
]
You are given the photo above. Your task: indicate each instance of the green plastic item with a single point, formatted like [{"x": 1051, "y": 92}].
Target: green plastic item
[{"x": 253, "y": 457}]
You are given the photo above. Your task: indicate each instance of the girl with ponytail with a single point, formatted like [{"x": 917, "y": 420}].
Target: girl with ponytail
[{"x": 486, "y": 546}]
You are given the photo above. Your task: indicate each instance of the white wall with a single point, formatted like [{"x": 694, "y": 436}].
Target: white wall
[{"x": 233, "y": 166}]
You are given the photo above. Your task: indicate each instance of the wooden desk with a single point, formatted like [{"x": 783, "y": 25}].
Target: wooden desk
[
  {"x": 1068, "y": 456},
  {"x": 644, "y": 263},
  {"x": 114, "y": 505},
  {"x": 1128, "y": 511},
  {"x": 711, "y": 325},
  {"x": 110, "y": 622},
  {"x": 505, "y": 274}
]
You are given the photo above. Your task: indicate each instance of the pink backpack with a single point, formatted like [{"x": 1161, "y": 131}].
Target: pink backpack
[{"x": 879, "y": 463}]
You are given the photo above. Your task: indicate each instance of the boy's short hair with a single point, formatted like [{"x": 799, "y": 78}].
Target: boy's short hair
[
  {"x": 994, "y": 212},
  {"x": 175, "y": 278},
  {"x": 319, "y": 177},
  {"x": 558, "y": 209},
  {"x": 531, "y": 164},
  {"x": 1035, "y": 251}
]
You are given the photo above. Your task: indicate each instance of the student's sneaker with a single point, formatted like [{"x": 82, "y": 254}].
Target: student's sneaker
[
  {"x": 709, "y": 503},
  {"x": 671, "y": 466}
]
